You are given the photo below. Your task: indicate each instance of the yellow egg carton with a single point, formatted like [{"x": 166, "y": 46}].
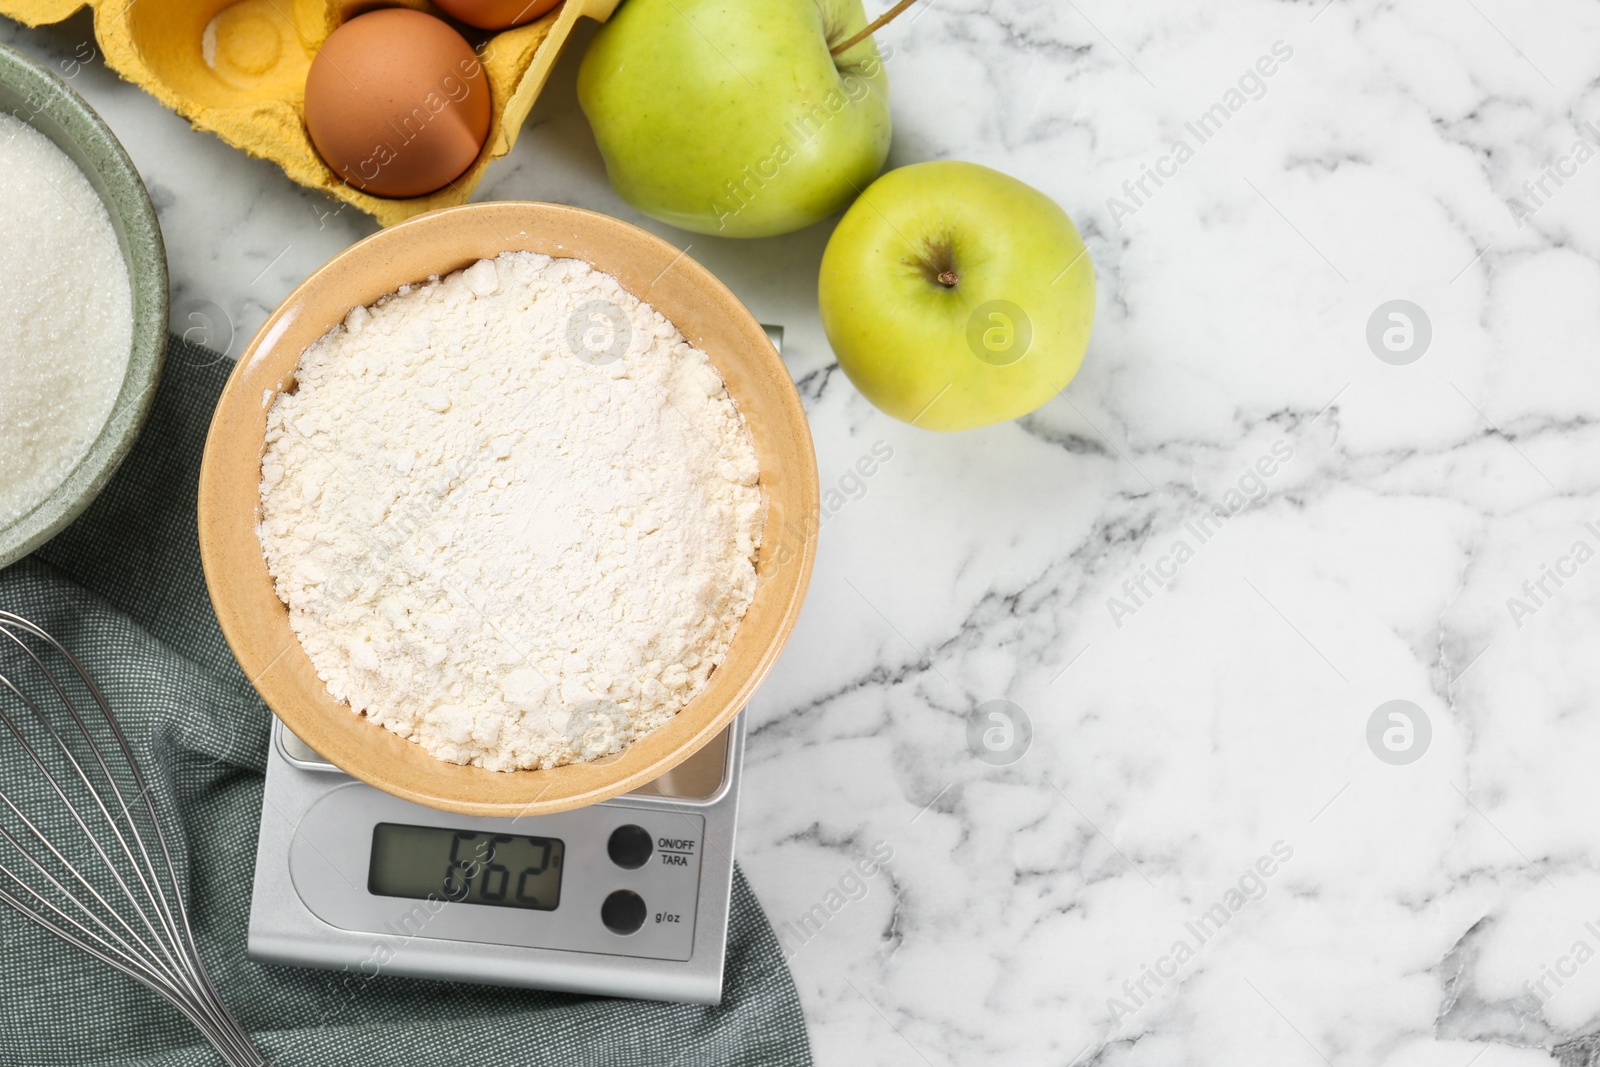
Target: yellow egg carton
[{"x": 238, "y": 69}]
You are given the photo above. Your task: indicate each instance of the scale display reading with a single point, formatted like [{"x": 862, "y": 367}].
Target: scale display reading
[{"x": 431, "y": 862}]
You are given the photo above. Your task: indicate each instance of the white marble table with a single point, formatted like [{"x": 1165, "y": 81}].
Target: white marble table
[{"x": 1200, "y": 858}]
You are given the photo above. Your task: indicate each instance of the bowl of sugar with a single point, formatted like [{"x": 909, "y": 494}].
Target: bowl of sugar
[{"x": 83, "y": 308}]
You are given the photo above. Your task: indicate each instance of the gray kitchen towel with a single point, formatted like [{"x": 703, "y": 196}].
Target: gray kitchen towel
[{"x": 122, "y": 588}]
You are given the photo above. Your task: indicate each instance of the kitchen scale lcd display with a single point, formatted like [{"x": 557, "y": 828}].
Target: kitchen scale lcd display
[{"x": 461, "y": 866}]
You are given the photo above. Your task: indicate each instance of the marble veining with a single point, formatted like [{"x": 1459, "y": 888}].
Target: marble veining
[{"x": 1201, "y": 857}]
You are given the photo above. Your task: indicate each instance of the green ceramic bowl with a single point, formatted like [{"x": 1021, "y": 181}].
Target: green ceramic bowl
[{"x": 43, "y": 101}]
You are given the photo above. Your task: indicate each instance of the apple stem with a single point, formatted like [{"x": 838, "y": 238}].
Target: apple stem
[
  {"x": 948, "y": 279},
  {"x": 877, "y": 24}
]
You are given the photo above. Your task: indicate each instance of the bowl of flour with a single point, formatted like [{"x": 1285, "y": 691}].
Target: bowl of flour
[
  {"x": 83, "y": 310},
  {"x": 508, "y": 508}
]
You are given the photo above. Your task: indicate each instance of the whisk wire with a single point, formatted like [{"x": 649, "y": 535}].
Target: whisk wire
[
  {"x": 66, "y": 893},
  {"x": 187, "y": 977},
  {"x": 168, "y": 983},
  {"x": 111, "y": 869},
  {"x": 201, "y": 1020},
  {"x": 164, "y": 956},
  {"x": 157, "y": 900},
  {"x": 108, "y": 939},
  {"x": 183, "y": 932}
]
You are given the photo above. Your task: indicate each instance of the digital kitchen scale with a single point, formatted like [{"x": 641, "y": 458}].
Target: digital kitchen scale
[{"x": 627, "y": 898}]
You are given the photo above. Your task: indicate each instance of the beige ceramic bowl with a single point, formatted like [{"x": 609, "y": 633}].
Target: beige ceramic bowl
[{"x": 256, "y": 623}]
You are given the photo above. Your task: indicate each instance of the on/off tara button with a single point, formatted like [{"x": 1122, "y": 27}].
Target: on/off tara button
[{"x": 629, "y": 847}]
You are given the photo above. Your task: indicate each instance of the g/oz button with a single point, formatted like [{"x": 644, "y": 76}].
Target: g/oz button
[
  {"x": 623, "y": 912},
  {"x": 629, "y": 847}
]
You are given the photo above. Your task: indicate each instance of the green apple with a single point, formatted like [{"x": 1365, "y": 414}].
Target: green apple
[
  {"x": 731, "y": 117},
  {"x": 956, "y": 296}
]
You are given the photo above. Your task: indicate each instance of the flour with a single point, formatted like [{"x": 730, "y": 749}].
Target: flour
[
  {"x": 513, "y": 552},
  {"x": 66, "y": 317}
]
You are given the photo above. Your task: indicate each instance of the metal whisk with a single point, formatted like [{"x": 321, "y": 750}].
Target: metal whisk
[{"x": 76, "y": 835}]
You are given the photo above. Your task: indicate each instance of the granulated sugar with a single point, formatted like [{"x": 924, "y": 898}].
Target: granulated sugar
[
  {"x": 66, "y": 317},
  {"x": 509, "y": 553}
]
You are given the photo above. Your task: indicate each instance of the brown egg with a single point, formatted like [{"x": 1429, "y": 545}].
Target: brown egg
[
  {"x": 397, "y": 103},
  {"x": 496, "y": 14}
]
